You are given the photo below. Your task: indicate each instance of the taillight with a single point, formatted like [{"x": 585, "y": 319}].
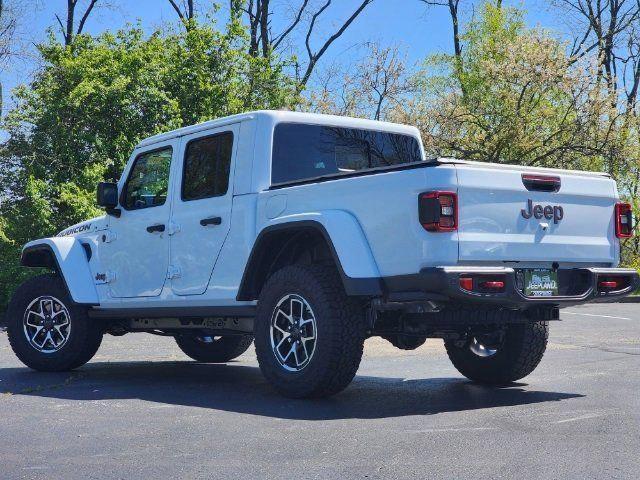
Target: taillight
[
  {"x": 624, "y": 220},
  {"x": 466, "y": 283},
  {"x": 438, "y": 211},
  {"x": 608, "y": 284},
  {"x": 486, "y": 284},
  {"x": 493, "y": 285}
]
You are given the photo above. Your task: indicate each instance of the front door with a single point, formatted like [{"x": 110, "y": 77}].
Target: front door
[
  {"x": 201, "y": 213},
  {"x": 135, "y": 250}
]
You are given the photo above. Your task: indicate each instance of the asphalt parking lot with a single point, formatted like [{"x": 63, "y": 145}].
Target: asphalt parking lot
[{"x": 141, "y": 409}]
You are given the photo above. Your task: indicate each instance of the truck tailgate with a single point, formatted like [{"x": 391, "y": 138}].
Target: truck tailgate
[{"x": 494, "y": 203}]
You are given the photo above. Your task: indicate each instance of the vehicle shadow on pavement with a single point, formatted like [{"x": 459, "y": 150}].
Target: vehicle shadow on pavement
[{"x": 242, "y": 389}]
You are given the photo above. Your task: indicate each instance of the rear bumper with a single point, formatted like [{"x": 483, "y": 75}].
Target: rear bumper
[{"x": 443, "y": 284}]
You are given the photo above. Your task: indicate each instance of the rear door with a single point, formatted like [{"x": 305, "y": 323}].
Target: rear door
[
  {"x": 507, "y": 217},
  {"x": 201, "y": 213}
]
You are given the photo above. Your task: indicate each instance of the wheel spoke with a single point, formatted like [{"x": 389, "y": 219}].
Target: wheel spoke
[
  {"x": 64, "y": 323},
  {"x": 52, "y": 335},
  {"x": 29, "y": 322},
  {"x": 295, "y": 354},
  {"x": 281, "y": 330},
  {"x": 282, "y": 341},
  {"x": 33, "y": 338},
  {"x": 63, "y": 337},
  {"x": 288, "y": 317},
  {"x": 48, "y": 338},
  {"x": 58, "y": 329},
  {"x": 36, "y": 333},
  {"x": 291, "y": 350},
  {"x": 37, "y": 314},
  {"x": 295, "y": 301},
  {"x": 304, "y": 347}
]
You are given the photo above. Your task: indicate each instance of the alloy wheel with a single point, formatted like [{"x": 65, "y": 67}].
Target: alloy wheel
[
  {"x": 47, "y": 324},
  {"x": 482, "y": 349},
  {"x": 293, "y": 332}
]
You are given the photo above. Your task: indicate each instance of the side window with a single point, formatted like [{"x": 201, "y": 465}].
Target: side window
[
  {"x": 148, "y": 180},
  {"x": 206, "y": 167}
]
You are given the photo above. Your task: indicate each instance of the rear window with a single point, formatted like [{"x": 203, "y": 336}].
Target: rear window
[
  {"x": 206, "y": 167},
  {"x": 306, "y": 151}
]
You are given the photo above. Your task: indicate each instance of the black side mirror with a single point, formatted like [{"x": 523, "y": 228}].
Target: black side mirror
[{"x": 108, "y": 195}]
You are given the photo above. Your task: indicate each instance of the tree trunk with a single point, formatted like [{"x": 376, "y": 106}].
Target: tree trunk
[{"x": 71, "y": 9}]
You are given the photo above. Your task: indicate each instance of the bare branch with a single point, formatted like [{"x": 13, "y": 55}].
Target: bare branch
[
  {"x": 185, "y": 12},
  {"x": 311, "y": 26},
  {"x": 278, "y": 40},
  {"x": 453, "y": 12},
  {"x": 61, "y": 25},
  {"x": 314, "y": 57},
  {"x": 177, "y": 9},
  {"x": 85, "y": 16},
  {"x": 607, "y": 24},
  {"x": 263, "y": 42},
  {"x": 68, "y": 28}
]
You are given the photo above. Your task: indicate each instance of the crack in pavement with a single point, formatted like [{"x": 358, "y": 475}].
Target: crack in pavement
[
  {"x": 42, "y": 388},
  {"x": 602, "y": 349}
]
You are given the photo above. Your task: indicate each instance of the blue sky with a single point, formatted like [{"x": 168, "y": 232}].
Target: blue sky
[{"x": 419, "y": 30}]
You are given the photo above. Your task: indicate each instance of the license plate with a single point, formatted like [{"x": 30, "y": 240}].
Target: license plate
[{"x": 540, "y": 282}]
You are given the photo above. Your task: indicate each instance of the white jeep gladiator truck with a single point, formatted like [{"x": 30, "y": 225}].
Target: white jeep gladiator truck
[{"x": 310, "y": 233}]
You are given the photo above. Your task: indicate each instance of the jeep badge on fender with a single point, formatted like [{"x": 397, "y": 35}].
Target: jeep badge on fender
[{"x": 538, "y": 211}]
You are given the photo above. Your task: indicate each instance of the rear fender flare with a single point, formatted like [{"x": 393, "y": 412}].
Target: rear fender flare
[
  {"x": 346, "y": 240},
  {"x": 67, "y": 256}
]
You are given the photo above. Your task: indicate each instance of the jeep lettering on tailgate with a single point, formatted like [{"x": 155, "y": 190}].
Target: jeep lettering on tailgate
[{"x": 538, "y": 211}]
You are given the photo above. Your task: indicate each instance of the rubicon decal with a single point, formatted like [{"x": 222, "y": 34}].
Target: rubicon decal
[
  {"x": 555, "y": 212},
  {"x": 75, "y": 230}
]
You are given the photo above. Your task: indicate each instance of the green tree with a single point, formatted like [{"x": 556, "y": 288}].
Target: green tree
[{"x": 511, "y": 96}]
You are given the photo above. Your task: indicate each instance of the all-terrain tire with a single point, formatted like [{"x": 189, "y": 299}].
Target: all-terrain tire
[
  {"x": 218, "y": 350},
  {"x": 340, "y": 324},
  {"x": 516, "y": 357},
  {"x": 83, "y": 340}
]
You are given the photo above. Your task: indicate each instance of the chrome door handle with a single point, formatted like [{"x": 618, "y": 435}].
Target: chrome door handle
[
  {"x": 211, "y": 221},
  {"x": 155, "y": 228}
]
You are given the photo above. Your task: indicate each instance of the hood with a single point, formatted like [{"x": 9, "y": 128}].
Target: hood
[{"x": 84, "y": 228}]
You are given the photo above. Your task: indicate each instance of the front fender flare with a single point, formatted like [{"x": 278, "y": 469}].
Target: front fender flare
[{"x": 67, "y": 256}]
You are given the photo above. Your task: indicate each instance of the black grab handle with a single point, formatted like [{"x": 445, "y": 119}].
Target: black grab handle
[
  {"x": 155, "y": 228},
  {"x": 211, "y": 221}
]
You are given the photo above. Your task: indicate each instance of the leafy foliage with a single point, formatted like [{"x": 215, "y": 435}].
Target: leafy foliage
[{"x": 513, "y": 96}]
